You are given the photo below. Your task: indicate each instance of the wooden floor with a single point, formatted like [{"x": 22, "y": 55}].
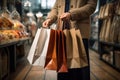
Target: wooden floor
[{"x": 99, "y": 70}]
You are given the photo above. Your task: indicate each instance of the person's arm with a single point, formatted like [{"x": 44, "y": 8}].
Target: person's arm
[
  {"x": 83, "y": 12},
  {"x": 52, "y": 16},
  {"x": 53, "y": 13}
]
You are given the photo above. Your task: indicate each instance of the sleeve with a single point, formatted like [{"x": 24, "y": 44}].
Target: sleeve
[
  {"x": 53, "y": 13},
  {"x": 84, "y": 11}
]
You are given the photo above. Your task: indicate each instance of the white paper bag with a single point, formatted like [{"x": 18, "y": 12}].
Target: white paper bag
[
  {"x": 41, "y": 47},
  {"x": 41, "y": 60},
  {"x": 33, "y": 47}
]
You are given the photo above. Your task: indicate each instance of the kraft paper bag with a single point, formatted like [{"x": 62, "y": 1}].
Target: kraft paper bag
[
  {"x": 119, "y": 30},
  {"x": 100, "y": 16},
  {"x": 81, "y": 49},
  {"x": 107, "y": 31},
  {"x": 119, "y": 35},
  {"x": 108, "y": 10},
  {"x": 72, "y": 49},
  {"x": 51, "y": 57},
  {"x": 102, "y": 12},
  {"x": 117, "y": 8},
  {"x": 103, "y": 30},
  {"x": 113, "y": 31},
  {"x": 116, "y": 29},
  {"x": 61, "y": 56}
]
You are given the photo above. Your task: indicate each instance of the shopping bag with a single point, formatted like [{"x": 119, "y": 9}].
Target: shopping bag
[
  {"x": 107, "y": 31},
  {"x": 100, "y": 16},
  {"x": 116, "y": 29},
  {"x": 81, "y": 49},
  {"x": 61, "y": 56},
  {"x": 117, "y": 7},
  {"x": 108, "y": 10},
  {"x": 103, "y": 29},
  {"x": 33, "y": 47},
  {"x": 41, "y": 54},
  {"x": 102, "y": 12},
  {"x": 75, "y": 50},
  {"x": 51, "y": 61},
  {"x": 56, "y": 58},
  {"x": 39, "y": 46},
  {"x": 72, "y": 52}
]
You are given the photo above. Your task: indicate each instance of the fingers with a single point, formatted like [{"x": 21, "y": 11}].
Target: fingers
[
  {"x": 46, "y": 23},
  {"x": 65, "y": 16}
]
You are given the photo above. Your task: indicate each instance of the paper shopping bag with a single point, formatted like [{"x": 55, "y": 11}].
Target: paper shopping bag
[
  {"x": 51, "y": 61},
  {"x": 39, "y": 46},
  {"x": 33, "y": 47},
  {"x": 102, "y": 31},
  {"x": 116, "y": 29},
  {"x": 43, "y": 45},
  {"x": 107, "y": 31},
  {"x": 81, "y": 49},
  {"x": 61, "y": 56},
  {"x": 108, "y": 10},
  {"x": 72, "y": 49},
  {"x": 75, "y": 57},
  {"x": 117, "y": 8},
  {"x": 101, "y": 12}
]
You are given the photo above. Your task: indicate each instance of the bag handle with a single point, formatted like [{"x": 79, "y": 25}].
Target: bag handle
[{"x": 65, "y": 24}]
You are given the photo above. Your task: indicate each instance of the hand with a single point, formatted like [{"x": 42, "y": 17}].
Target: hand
[
  {"x": 65, "y": 16},
  {"x": 46, "y": 23}
]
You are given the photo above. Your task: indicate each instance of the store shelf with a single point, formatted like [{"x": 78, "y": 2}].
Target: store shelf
[
  {"x": 10, "y": 48},
  {"x": 110, "y": 43},
  {"x": 107, "y": 46}
]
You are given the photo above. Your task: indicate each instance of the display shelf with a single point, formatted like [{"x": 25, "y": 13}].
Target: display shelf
[
  {"x": 110, "y": 43},
  {"x": 117, "y": 59},
  {"x": 108, "y": 54},
  {"x": 107, "y": 47},
  {"x": 13, "y": 42},
  {"x": 4, "y": 62},
  {"x": 10, "y": 47}
]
